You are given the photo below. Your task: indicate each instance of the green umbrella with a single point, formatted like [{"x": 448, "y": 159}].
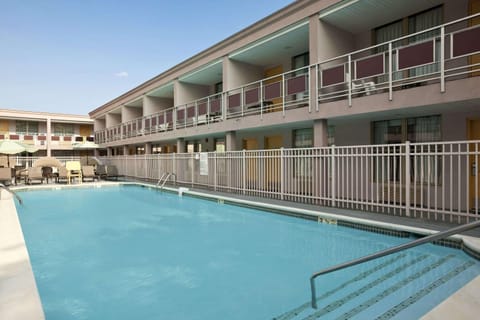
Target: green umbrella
[{"x": 14, "y": 147}]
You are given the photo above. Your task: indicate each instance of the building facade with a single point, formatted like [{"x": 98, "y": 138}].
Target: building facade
[
  {"x": 313, "y": 73},
  {"x": 353, "y": 74},
  {"x": 52, "y": 134}
]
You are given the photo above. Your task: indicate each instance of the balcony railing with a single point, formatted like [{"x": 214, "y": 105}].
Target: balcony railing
[
  {"x": 40, "y": 139},
  {"x": 434, "y": 55}
]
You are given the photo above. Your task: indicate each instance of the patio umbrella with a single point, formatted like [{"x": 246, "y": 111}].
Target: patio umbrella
[
  {"x": 87, "y": 145},
  {"x": 13, "y": 147},
  {"x": 47, "y": 162}
]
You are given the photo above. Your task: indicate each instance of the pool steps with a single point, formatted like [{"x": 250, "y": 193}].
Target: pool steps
[{"x": 379, "y": 292}]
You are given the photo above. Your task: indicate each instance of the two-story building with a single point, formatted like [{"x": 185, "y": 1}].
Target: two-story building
[
  {"x": 344, "y": 72},
  {"x": 319, "y": 73},
  {"x": 51, "y": 133}
]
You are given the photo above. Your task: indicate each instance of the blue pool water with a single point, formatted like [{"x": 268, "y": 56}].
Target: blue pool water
[{"x": 134, "y": 253}]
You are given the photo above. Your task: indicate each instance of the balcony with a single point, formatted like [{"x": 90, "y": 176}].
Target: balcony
[{"x": 431, "y": 57}]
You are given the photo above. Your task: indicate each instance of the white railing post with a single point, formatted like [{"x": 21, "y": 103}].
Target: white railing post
[
  {"x": 223, "y": 107},
  {"x": 244, "y": 170},
  {"x": 390, "y": 72},
  {"x": 174, "y": 164},
  {"x": 242, "y": 100},
  {"x": 282, "y": 173},
  {"x": 309, "y": 86},
  {"x": 192, "y": 157},
  {"x": 349, "y": 79},
  {"x": 283, "y": 93},
  {"x": 215, "y": 171},
  {"x": 261, "y": 99},
  {"x": 333, "y": 170},
  {"x": 317, "y": 82},
  {"x": 442, "y": 59},
  {"x": 407, "y": 178},
  {"x": 145, "y": 164}
]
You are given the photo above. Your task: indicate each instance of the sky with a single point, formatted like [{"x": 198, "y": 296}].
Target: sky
[{"x": 72, "y": 56}]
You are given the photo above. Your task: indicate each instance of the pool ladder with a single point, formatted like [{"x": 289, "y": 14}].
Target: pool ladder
[
  {"x": 434, "y": 237},
  {"x": 164, "y": 178},
  {"x": 13, "y": 193}
]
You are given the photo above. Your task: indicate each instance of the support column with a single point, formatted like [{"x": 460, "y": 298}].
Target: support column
[
  {"x": 320, "y": 133},
  {"x": 231, "y": 141},
  {"x": 314, "y": 27},
  {"x": 180, "y": 145},
  {"x": 148, "y": 148},
  {"x": 109, "y": 152},
  {"x": 125, "y": 150},
  {"x": 49, "y": 137}
]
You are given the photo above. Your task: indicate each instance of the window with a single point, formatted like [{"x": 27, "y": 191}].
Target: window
[
  {"x": 140, "y": 150},
  {"x": 331, "y": 135},
  {"x": 194, "y": 146},
  {"x": 419, "y": 129},
  {"x": 156, "y": 149},
  {"x": 63, "y": 129},
  {"x": 220, "y": 145},
  {"x": 409, "y": 25},
  {"x": 303, "y": 138},
  {"x": 26, "y": 127}
]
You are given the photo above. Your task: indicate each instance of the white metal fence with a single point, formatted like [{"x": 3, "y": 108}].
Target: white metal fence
[{"x": 436, "y": 181}]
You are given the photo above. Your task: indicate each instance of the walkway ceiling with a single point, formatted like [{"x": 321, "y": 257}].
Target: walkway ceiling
[
  {"x": 207, "y": 75},
  {"x": 357, "y": 16},
  {"x": 165, "y": 91},
  {"x": 280, "y": 46}
]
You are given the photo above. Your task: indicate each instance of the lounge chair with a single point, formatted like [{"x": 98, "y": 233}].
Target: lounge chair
[
  {"x": 74, "y": 170},
  {"x": 62, "y": 174},
  {"x": 112, "y": 172},
  {"x": 88, "y": 173},
  {"x": 6, "y": 176},
  {"x": 34, "y": 174},
  {"x": 101, "y": 171}
]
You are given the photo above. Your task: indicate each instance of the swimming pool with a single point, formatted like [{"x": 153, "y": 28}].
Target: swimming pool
[{"x": 130, "y": 252}]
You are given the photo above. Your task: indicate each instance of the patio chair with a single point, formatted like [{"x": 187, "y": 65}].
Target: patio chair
[
  {"x": 74, "y": 170},
  {"x": 101, "y": 171},
  {"x": 34, "y": 174},
  {"x": 62, "y": 175},
  {"x": 112, "y": 172},
  {"x": 47, "y": 173},
  {"x": 6, "y": 176},
  {"x": 88, "y": 173}
]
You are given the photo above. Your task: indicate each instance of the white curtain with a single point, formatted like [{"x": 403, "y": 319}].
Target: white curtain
[
  {"x": 423, "y": 21},
  {"x": 386, "y": 33}
]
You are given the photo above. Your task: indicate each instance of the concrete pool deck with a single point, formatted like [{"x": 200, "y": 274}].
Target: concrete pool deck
[{"x": 19, "y": 298}]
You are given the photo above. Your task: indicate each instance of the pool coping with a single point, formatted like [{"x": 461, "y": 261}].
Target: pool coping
[{"x": 19, "y": 297}]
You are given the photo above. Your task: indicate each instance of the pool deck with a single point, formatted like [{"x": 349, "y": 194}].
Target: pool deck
[{"x": 19, "y": 298}]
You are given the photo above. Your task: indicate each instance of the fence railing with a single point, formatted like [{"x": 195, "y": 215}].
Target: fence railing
[{"x": 437, "y": 181}]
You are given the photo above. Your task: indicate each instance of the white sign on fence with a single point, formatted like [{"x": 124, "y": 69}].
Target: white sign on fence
[{"x": 203, "y": 163}]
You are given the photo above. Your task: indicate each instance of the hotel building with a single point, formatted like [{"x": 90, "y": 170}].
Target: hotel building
[
  {"x": 319, "y": 73},
  {"x": 51, "y": 133}
]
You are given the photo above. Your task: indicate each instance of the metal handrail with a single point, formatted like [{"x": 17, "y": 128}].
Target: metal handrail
[
  {"x": 161, "y": 178},
  {"x": 4, "y": 187},
  {"x": 167, "y": 175},
  {"x": 386, "y": 252}
]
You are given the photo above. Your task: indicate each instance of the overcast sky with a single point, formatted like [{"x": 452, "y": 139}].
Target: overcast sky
[{"x": 72, "y": 56}]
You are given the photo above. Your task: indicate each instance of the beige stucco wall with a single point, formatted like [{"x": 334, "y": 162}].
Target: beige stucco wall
[{"x": 153, "y": 105}]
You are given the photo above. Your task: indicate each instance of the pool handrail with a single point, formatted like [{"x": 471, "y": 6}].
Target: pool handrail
[
  {"x": 164, "y": 178},
  {"x": 4, "y": 187},
  {"x": 433, "y": 237}
]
